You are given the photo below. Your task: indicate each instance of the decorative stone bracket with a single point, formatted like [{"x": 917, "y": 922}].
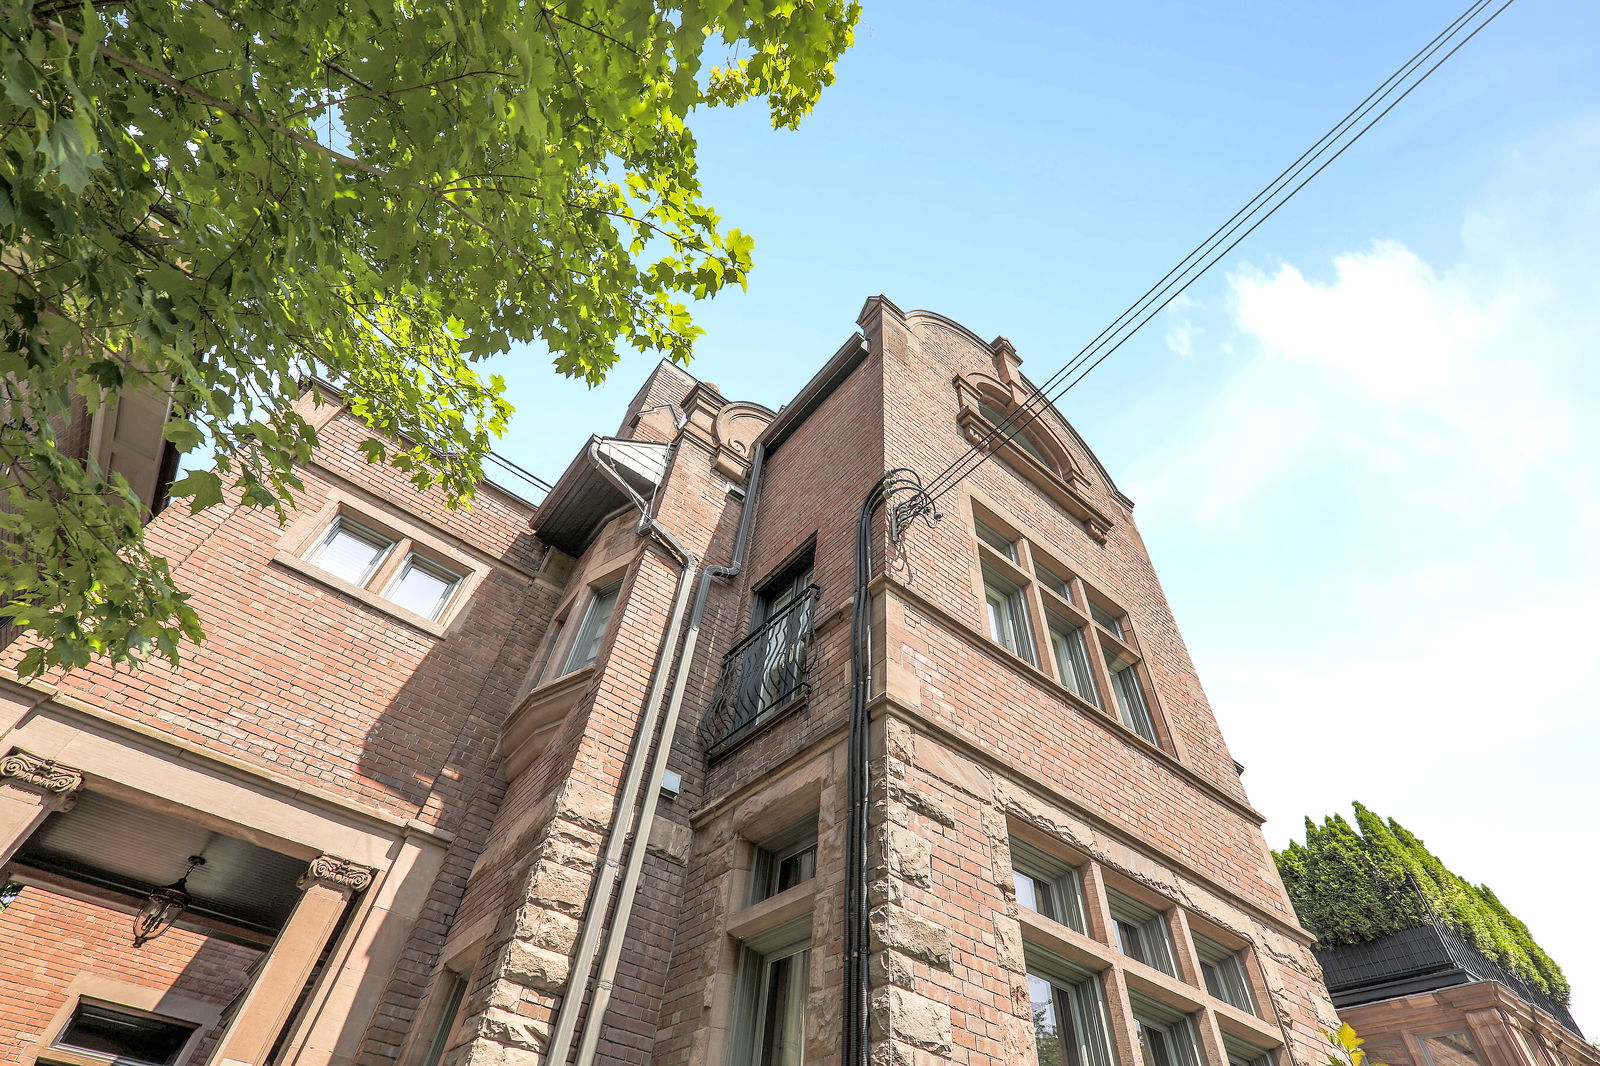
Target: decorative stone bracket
[
  {"x": 337, "y": 872},
  {"x": 27, "y": 770}
]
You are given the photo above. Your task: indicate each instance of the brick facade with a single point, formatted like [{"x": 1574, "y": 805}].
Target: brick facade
[{"x": 482, "y": 781}]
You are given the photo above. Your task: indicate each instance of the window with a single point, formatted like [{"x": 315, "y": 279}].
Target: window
[
  {"x": 1008, "y": 615},
  {"x": 773, "y": 985},
  {"x": 1243, "y": 1054},
  {"x": 1130, "y": 696},
  {"x": 596, "y": 617},
  {"x": 1141, "y": 932},
  {"x": 1053, "y": 581},
  {"x": 1107, "y": 619},
  {"x": 360, "y": 555},
  {"x": 455, "y": 990},
  {"x": 1047, "y": 885},
  {"x": 996, "y": 539},
  {"x": 1166, "y": 1037},
  {"x": 125, "y": 1036},
  {"x": 350, "y": 550},
  {"x": 784, "y": 861},
  {"x": 1450, "y": 1049},
  {"x": 1069, "y": 1026},
  {"x": 1072, "y": 658},
  {"x": 423, "y": 586},
  {"x": 1223, "y": 972}
]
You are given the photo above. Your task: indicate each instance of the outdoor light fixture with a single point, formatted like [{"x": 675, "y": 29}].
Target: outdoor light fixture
[{"x": 162, "y": 907}]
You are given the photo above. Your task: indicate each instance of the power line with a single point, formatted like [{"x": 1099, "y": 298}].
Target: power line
[{"x": 1213, "y": 249}]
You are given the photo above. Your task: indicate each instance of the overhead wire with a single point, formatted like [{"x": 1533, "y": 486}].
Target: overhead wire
[{"x": 1213, "y": 249}]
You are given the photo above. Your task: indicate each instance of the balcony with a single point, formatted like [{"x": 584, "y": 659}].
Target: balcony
[
  {"x": 764, "y": 676},
  {"x": 1429, "y": 957}
]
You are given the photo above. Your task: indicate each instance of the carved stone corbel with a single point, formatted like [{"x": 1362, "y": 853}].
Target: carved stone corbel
[
  {"x": 340, "y": 873},
  {"x": 60, "y": 783}
]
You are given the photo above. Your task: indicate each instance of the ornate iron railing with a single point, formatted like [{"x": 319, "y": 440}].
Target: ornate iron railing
[{"x": 763, "y": 674}]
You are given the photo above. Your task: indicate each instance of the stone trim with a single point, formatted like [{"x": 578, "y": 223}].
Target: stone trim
[
  {"x": 340, "y": 873},
  {"x": 34, "y": 771}
]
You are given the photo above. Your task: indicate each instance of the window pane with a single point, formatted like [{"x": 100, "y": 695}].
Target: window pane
[
  {"x": 1050, "y": 1039},
  {"x": 424, "y": 587},
  {"x": 1053, "y": 581},
  {"x": 796, "y": 869},
  {"x": 1130, "y": 702},
  {"x": 783, "y": 1011},
  {"x": 1106, "y": 617},
  {"x": 350, "y": 550},
  {"x": 1008, "y": 616},
  {"x": 1450, "y": 1049},
  {"x": 124, "y": 1036},
  {"x": 595, "y": 619},
  {"x": 1072, "y": 660},
  {"x": 996, "y": 540}
]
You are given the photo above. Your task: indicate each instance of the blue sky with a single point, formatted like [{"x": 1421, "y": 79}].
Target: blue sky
[{"x": 1362, "y": 448}]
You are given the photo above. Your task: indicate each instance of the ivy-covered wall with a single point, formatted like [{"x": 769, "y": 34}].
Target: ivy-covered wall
[{"x": 1349, "y": 884}]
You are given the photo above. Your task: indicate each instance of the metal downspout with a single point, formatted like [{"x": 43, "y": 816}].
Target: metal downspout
[
  {"x": 618, "y": 926},
  {"x": 606, "y": 875}
]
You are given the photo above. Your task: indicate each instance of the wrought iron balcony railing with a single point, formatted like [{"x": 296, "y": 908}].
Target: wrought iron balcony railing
[{"x": 762, "y": 675}]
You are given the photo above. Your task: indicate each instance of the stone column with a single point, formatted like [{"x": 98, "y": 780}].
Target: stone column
[
  {"x": 327, "y": 885},
  {"x": 31, "y": 789}
]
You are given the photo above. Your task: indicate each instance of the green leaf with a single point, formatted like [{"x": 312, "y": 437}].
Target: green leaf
[
  {"x": 184, "y": 434},
  {"x": 201, "y": 487}
]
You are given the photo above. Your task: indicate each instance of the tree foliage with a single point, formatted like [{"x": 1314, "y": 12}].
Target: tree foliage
[
  {"x": 1351, "y": 886},
  {"x": 216, "y": 199}
]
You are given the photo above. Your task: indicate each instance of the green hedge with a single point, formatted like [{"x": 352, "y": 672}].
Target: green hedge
[{"x": 1350, "y": 884}]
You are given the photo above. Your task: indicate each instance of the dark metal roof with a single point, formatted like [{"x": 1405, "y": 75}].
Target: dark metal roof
[{"x": 583, "y": 497}]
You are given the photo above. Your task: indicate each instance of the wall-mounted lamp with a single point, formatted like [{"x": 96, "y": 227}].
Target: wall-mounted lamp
[{"x": 163, "y": 906}]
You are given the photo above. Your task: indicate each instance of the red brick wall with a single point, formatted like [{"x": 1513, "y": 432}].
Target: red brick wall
[{"x": 51, "y": 939}]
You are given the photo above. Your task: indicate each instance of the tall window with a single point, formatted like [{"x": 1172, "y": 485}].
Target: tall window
[
  {"x": 1223, "y": 972},
  {"x": 596, "y": 617},
  {"x": 1069, "y": 1027},
  {"x": 1166, "y": 1037},
  {"x": 1243, "y": 1054},
  {"x": 1072, "y": 658},
  {"x": 1007, "y": 606},
  {"x": 773, "y": 985},
  {"x": 1129, "y": 693},
  {"x": 1046, "y": 884},
  {"x": 454, "y": 988},
  {"x": 1141, "y": 932}
]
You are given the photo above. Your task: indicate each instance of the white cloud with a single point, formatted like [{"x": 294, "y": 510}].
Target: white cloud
[{"x": 1400, "y": 458}]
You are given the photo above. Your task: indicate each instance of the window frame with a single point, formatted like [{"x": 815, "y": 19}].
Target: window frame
[
  {"x": 766, "y": 864},
  {"x": 586, "y": 632},
  {"x": 1147, "y": 923},
  {"x": 1228, "y": 963},
  {"x": 1149, "y": 1014},
  {"x": 1006, "y": 607},
  {"x": 56, "y": 1047},
  {"x": 1067, "y": 904},
  {"x": 758, "y": 955},
  {"x": 419, "y": 561},
  {"x": 1076, "y": 984}
]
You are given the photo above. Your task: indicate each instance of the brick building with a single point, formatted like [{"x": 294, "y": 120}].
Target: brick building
[{"x": 627, "y": 777}]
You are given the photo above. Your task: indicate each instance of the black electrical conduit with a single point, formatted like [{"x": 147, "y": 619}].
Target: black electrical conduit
[
  {"x": 857, "y": 1037},
  {"x": 638, "y": 835}
]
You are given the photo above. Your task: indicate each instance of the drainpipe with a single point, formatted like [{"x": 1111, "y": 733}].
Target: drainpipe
[
  {"x": 593, "y": 923},
  {"x": 605, "y": 980},
  {"x": 643, "y": 807}
]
